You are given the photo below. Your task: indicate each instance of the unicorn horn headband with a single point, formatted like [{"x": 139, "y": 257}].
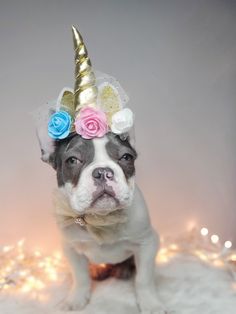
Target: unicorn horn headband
[
  {"x": 94, "y": 108},
  {"x": 85, "y": 90}
]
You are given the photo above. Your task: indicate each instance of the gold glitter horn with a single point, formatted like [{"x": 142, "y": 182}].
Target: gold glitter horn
[{"x": 85, "y": 90}]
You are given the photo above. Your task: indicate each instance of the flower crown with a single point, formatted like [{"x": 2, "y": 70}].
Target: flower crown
[{"x": 94, "y": 108}]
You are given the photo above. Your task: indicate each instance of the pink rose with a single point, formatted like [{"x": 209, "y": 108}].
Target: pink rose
[{"x": 91, "y": 123}]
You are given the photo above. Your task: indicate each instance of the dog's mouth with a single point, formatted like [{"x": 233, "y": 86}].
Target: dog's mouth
[{"x": 104, "y": 197}]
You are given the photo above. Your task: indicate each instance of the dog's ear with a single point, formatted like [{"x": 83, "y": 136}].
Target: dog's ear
[
  {"x": 129, "y": 136},
  {"x": 112, "y": 98},
  {"x": 47, "y": 145}
]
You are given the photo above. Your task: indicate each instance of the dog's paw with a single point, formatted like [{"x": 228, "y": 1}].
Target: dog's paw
[
  {"x": 149, "y": 303},
  {"x": 76, "y": 300}
]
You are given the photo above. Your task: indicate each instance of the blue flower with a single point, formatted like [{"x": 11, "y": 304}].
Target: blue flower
[{"x": 59, "y": 125}]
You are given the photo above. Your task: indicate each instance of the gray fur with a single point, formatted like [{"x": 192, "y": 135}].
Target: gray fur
[
  {"x": 76, "y": 146},
  {"x": 116, "y": 148}
]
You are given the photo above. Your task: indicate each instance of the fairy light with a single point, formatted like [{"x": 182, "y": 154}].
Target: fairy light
[
  {"x": 27, "y": 272},
  {"x": 23, "y": 273},
  {"x": 233, "y": 257},
  {"x": 7, "y": 248},
  {"x": 37, "y": 253},
  {"x": 204, "y": 231},
  {"x": 201, "y": 248},
  {"x": 215, "y": 238},
  {"x": 20, "y": 257},
  {"x": 30, "y": 273},
  {"x": 21, "y": 242},
  {"x": 228, "y": 244},
  {"x": 162, "y": 259},
  {"x": 57, "y": 255},
  {"x": 201, "y": 255},
  {"x": 174, "y": 247},
  {"x": 218, "y": 263}
]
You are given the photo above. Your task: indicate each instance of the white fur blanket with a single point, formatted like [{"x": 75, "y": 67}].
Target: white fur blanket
[{"x": 185, "y": 285}]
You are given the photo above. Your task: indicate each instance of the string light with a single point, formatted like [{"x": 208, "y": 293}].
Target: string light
[
  {"x": 207, "y": 250},
  {"x": 204, "y": 231},
  {"x": 30, "y": 273},
  {"x": 228, "y": 244},
  {"x": 233, "y": 257},
  {"x": 215, "y": 238},
  {"x": 27, "y": 272}
]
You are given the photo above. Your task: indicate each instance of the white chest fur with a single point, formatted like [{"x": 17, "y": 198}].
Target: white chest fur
[
  {"x": 125, "y": 238},
  {"x": 105, "y": 253}
]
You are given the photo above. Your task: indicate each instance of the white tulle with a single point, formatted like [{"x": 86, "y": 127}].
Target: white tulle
[{"x": 43, "y": 113}]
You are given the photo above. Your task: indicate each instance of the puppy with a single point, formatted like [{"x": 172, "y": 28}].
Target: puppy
[
  {"x": 99, "y": 209},
  {"x": 96, "y": 177}
]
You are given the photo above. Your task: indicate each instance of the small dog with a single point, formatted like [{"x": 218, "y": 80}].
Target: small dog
[{"x": 102, "y": 216}]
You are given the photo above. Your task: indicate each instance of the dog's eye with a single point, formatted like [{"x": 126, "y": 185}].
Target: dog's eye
[
  {"x": 127, "y": 157},
  {"x": 72, "y": 161}
]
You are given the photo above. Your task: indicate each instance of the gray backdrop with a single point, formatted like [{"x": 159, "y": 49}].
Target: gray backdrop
[{"x": 177, "y": 62}]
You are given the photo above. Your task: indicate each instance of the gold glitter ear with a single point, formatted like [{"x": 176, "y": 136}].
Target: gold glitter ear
[
  {"x": 109, "y": 100},
  {"x": 67, "y": 102}
]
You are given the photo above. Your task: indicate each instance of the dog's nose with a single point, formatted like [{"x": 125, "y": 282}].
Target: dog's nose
[{"x": 103, "y": 174}]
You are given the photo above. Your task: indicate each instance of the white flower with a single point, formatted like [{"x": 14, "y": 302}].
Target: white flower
[{"x": 122, "y": 121}]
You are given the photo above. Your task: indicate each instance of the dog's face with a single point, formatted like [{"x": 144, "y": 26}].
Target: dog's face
[{"x": 97, "y": 175}]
